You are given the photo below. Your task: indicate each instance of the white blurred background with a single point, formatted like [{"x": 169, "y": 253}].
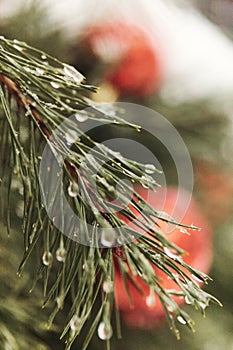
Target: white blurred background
[{"x": 198, "y": 56}]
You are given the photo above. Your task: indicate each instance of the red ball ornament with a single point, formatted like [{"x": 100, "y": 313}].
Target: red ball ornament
[
  {"x": 133, "y": 64},
  {"x": 145, "y": 310}
]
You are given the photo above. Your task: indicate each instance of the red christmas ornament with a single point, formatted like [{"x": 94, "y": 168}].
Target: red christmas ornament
[
  {"x": 133, "y": 63},
  {"x": 145, "y": 310}
]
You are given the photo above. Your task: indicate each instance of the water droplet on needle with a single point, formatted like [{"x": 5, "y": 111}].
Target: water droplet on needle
[
  {"x": 71, "y": 72},
  {"x": 75, "y": 323},
  {"x": 47, "y": 258},
  {"x": 40, "y": 71},
  {"x": 73, "y": 189},
  {"x": 108, "y": 286},
  {"x": 151, "y": 300},
  {"x": 150, "y": 168},
  {"x": 54, "y": 84},
  {"x": 81, "y": 117},
  {"x": 61, "y": 254},
  {"x": 104, "y": 331},
  {"x": 181, "y": 319},
  {"x": 108, "y": 237}
]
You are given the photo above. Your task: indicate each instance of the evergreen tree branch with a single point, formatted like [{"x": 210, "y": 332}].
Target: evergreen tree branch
[{"x": 38, "y": 93}]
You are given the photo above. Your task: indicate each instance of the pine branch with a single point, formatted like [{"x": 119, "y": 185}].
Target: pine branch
[{"x": 38, "y": 93}]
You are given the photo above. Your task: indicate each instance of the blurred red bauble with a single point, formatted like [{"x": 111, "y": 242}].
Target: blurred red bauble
[
  {"x": 133, "y": 65},
  {"x": 146, "y": 311}
]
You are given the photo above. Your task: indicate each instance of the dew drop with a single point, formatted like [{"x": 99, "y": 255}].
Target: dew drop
[
  {"x": 71, "y": 72},
  {"x": 73, "y": 189},
  {"x": 183, "y": 230},
  {"x": 158, "y": 257},
  {"x": 170, "y": 254},
  {"x": 75, "y": 323},
  {"x": 60, "y": 302},
  {"x": 27, "y": 69},
  {"x": 150, "y": 300},
  {"x": 47, "y": 258},
  {"x": 121, "y": 240},
  {"x": 40, "y": 71},
  {"x": 44, "y": 57},
  {"x": 33, "y": 104},
  {"x": 181, "y": 319},
  {"x": 202, "y": 305},
  {"x": 104, "y": 332},
  {"x": 54, "y": 85},
  {"x": 19, "y": 48},
  {"x": 61, "y": 254},
  {"x": 193, "y": 227},
  {"x": 71, "y": 137},
  {"x": 108, "y": 286},
  {"x": 81, "y": 117},
  {"x": 187, "y": 300},
  {"x": 196, "y": 278},
  {"x": 108, "y": 237},
  {"x": 150, "y": 168},
  {"x": 145, "y": 185}
]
